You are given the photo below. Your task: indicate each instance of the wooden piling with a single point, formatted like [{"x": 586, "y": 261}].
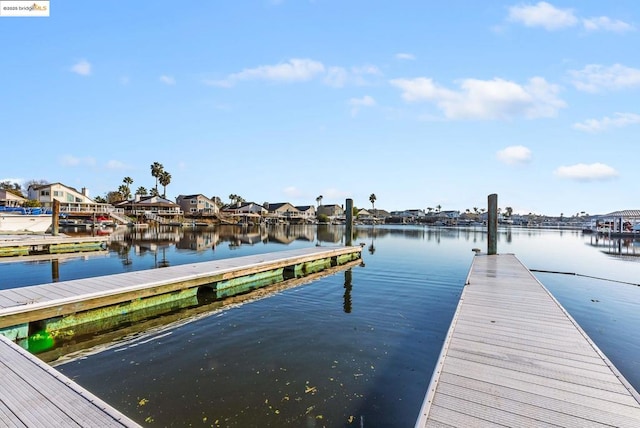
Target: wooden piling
[
  {"x": 55, "y": 217},
  {"x": 349, "y": 226},
  {"x": 492, "y": 224}
]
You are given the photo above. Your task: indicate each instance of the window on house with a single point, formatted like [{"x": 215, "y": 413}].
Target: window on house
[
  {"x": 44, "y": 193},
  {"x": 193, "y": 202}
]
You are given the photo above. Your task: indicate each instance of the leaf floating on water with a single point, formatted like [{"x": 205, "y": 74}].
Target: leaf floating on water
[
  {"x": 143, "y": 402},
  {"x": 277, "y": 412},
  {"x": 350, "y": 419},
  {"x": 148, "y": 419},
  {"x": 310, "y": 389},
  {"x": 319, "y": 417}
]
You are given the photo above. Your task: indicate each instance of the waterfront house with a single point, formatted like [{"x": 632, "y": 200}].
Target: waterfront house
[
  {"x": 307, "y": 213},
  {"x": 71, "y": 200},
  {"x": 197, "y": 205},
  {"x": 10, "y": 199},
  {"x": 282, "y": 210},
  {"x": 150, "y": 206},
  {"x": 332, "y": 211},
  {"x": 244, "y": 208}
]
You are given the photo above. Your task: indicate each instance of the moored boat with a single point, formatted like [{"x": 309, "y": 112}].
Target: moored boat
[{"x": 16, "y": 219}]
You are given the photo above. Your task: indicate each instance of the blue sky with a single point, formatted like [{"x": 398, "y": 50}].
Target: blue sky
[{"x": 422, "y": 103}]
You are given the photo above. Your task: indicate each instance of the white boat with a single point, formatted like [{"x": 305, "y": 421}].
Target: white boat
[{"x": 32, "y": 220}]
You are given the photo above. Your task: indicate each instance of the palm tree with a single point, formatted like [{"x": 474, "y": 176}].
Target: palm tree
[
  {"x": 372, "y": 199},
  {"x": 156, "y": 170},
  {"x": 319, "y": 200},
  {"x": 509, "y": 211},
  {"x": 438, "y": 208},
  {"x": 124, "y": 192},
  {"x": 142, "y": 191},
  {"x": 165, "y": 179},
  {"x": 128, "y": 181},
  {"x": 235, "y": 199}
]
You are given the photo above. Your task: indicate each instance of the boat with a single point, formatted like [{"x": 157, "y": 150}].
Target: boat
[{"x": 18, "y": 219}]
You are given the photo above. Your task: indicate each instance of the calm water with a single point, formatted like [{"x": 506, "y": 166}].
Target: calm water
[{"x": 356, "y": 348}]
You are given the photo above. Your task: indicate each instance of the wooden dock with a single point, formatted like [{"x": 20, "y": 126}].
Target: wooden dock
[
  {"x": 33, "y": 244},
  {"x": 76, "y": 302},
  {"x": 514, "y": 357},
  {"x": 32, "y": 394}
]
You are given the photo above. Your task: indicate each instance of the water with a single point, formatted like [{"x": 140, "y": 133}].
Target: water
[{"x": 356, "y": 348}]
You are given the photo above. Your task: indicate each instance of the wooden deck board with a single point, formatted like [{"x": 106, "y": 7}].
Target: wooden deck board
[
  {"x": 514, "y": 357},
  {"x": 35, "y": 395},
  {"x": 37, "y": 297}
]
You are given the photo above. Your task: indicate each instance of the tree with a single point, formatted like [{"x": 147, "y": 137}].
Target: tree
[
  {"x": 235, "y": 199},
  {"x": 165, "y": 179},
  {"x": 124, "y": 191},
  {"x": 372, "y": 199},
  {"x": 438, "y": 208},
  {"x": 156, "y": 170},
  {"x": 142, "y": 191},
  {"x": 113, "y": 197},
  {"x": 128, "y": 181},
  {"x": 14, "y": 187},
  {"x": 509, "y": 211},
  {"x": 154, "y": 192},
  {"x": 30, "y": 183},
  {"x": 319, "y": 200},
  {"x": 100, "y": 200}
]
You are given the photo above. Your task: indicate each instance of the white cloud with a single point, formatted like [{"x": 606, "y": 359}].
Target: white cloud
[
  {"x": 514, "y": 155},
  {"x": 603, "y": 23},
  {"x": 301, "y": 70},
  {"x": 596, "y": 78},
  {"x": 115, "y": 164},
  {"x": 584, "y": 172},
  {"x": 292, "y": 192},
  {"x": 82, "y": 67},
  {"x": 357, "y": 103},
  {"x": 335, "y": 195},
  {"x": 486, "y": 99},
  {"x": 542, "y": 15},
  {"x": 167, "y": 80},
  {"x": 336, "y": 77},
  {"x": 618, "y": 121},
  {"x": 405, "y": 56},
  {"x": 340, "y": 76},
  {"x": 294, "y": 70},
  {"x": 70, "y": 160}
]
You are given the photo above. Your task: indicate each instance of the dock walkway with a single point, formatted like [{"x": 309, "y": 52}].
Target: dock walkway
[
  {"x": 514, "y": 357},
  {"x": 19, "y": 306},
  {"x": 32, "y": 394}
]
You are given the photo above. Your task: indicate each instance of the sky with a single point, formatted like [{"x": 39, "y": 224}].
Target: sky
[{"x": 422, "y": 103}]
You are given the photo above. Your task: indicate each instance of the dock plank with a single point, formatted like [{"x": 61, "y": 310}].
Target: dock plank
[
  {"x": 514, "y": 357},
  {"x": 33, "y": 394},
  {"x": 84, "y": 294}
]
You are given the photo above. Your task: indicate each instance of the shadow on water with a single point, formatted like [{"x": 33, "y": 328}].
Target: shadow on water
[{"x": 72, "y": 343}]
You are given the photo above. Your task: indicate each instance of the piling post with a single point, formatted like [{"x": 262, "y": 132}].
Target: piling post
[
  {"x": 55, "y": 218},
  {"x": 349, "y": 226},
  {"x": 492, "y": 224}
]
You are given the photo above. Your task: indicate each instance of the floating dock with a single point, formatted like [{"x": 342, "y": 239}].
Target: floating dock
[
  {"x": 63, "y": 305},
  {"x": 27, "y": 245},
  {"x": 513, "y": 356},
  {"x": 32, "y": 394}
]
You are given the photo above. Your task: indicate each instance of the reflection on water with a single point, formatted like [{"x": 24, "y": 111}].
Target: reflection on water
[
  {"x": 358, "y": 345},
  {"x": 622, "y": 248}
]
